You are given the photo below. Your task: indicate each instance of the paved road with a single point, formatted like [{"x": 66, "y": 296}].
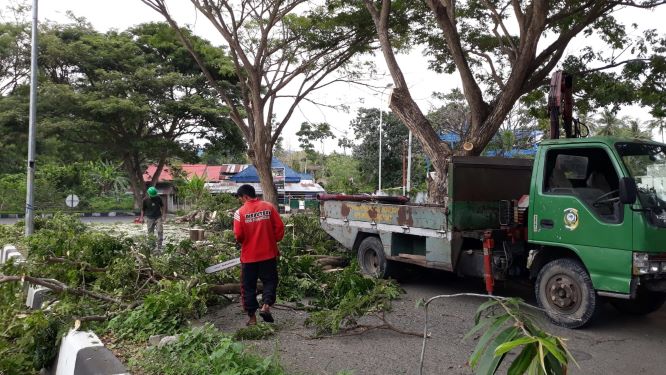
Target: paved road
[
  {"x": 121, "y": 219},
  {"x": 615, "y": 344}
]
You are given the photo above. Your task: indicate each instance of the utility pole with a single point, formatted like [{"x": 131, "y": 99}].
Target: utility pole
[
  {"x": 30, "y": 196},
  {"x": 381, "y": 105},
  {"x": 409, "y": 163}
]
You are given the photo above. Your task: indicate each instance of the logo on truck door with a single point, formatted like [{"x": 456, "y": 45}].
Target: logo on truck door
[{"x": 571, "y": 218}]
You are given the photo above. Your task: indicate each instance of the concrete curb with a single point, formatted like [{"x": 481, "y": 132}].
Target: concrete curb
[
  {"x": 83, "y": 353},
  {"x": 81, "y": 214},
  {"x": 80, "y": 353}
]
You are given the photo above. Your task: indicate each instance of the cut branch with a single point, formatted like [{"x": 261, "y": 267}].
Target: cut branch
[{"x": 61, "y": 288}]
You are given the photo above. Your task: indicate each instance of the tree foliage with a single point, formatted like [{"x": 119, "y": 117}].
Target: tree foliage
[
  {"x": 133, "y": 97},
  {"x": 282, "y": 51},
  {"x": 504, "y": 50},
  {"x": 136, "y": 95}
]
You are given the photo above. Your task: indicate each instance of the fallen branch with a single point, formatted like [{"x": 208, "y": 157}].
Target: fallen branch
[
  {"x": 86, "y": 266},
  {"x": 500, "y": 300},
  {"x": 62, "y": 288}
]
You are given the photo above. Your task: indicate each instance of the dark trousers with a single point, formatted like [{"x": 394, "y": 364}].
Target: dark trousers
[{"x": 266, "y": 271}]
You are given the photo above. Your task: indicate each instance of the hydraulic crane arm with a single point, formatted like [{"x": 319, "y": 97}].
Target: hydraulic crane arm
[{"x": 560, "y": 104}]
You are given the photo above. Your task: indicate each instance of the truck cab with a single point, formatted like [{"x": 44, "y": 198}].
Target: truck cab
[{"x": 597, "y": 226}]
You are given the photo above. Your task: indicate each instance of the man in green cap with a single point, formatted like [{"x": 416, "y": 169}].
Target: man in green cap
[{"x": 152, "y": 211}]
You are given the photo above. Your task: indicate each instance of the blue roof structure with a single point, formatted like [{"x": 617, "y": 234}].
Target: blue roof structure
[
  {"x": 449, "y": 137},
  {"x": 250, "y": 174},
  {"x": 513, "y": 152}
]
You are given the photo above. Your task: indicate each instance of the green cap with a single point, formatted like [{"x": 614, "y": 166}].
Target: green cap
[{"x": 152, "y": 192}]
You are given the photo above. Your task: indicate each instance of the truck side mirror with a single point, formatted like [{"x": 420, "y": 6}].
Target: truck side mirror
[{"x": 628, "y": 190}]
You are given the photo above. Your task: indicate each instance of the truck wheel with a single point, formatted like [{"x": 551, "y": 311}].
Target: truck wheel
[
  {"x": 564, "y": 291},
  {"x": 646, "y": 302},
  {"x": 371, "y": 258}
]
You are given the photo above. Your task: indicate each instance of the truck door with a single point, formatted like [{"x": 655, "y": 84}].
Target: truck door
[{"x": 576, "y": 205}]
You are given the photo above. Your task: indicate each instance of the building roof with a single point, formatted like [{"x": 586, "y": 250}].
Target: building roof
[
  {"x": 249, "y": 175},
  {"x": 212, "y": 173}
]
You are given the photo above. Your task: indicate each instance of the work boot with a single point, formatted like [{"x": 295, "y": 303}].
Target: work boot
[
  {"x": 252, "y": 321},
  {"x": 265, "y": 314}
]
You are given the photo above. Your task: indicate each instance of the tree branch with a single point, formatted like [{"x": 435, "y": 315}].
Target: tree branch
[{"x": 60, "y": 287}]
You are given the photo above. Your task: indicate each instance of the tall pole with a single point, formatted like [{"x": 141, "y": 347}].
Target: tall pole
[
  {"x": 379, "y": 190},
  {"x": 381, "y": 105},
  {"x": 30, "y": 197},
  {"x": 409, "y": 163}
]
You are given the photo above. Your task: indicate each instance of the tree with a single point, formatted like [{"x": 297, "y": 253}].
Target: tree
[
  {"x": 496, "y": 64},
  {"x": 658, "y": 123},
  {"x": 346, "y": 143},
  {"x": 342, "y": 175},
  {"x": 135, "y": 95},
  {"x": 310, "y": 133},
  {"x": 282, "y": 51},
  {"x": 608, "y": 124}
]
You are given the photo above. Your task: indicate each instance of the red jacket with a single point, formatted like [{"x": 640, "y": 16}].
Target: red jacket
[{"x": 258, "y": 227}]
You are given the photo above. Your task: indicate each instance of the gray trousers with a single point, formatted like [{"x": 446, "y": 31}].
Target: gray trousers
[{"x": 154, "y": 224}]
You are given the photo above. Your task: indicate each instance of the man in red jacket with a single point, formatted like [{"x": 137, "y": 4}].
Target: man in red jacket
[{"x": 257, "y": 227}]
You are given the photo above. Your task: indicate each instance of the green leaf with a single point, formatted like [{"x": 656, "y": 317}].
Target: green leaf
[
  {"x": 489, "y": 361},
  {"x": 552, "y": 347},
  {"x": 483, "y": 341},
  {"x": 553, "y": 366},
  {"x": 482, "y": 324},
  {"x": 523, "y": 360},
  {"x": 508, "y": 346},
  {"x": 484, "y": 306}
]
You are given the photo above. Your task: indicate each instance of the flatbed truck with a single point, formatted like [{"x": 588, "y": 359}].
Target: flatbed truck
[{"x": 584, "y": 221}]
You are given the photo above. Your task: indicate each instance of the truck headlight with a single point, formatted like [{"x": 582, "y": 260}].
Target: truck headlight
[
  {"x": 654, "y": 267},
  {"x": 641, "y": 264}
]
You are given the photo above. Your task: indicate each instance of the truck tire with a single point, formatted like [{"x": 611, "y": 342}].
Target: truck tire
[
  {"x": 646, "y": 302},
  {"x": 564, "y": 291},
  {"x": 371, "y": 258}
]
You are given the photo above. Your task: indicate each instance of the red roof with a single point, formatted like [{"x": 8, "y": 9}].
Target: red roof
[{"x": 212, "y": 173}]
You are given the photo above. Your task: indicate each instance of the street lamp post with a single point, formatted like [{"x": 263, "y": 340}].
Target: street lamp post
[
  {"x": 381, "y": 105},
  {"x": 409, "y": 163},
  {"x": 32, "y": 127}
]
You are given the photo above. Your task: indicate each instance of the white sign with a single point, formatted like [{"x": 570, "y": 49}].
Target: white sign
[{"x": 72, "y": 200}]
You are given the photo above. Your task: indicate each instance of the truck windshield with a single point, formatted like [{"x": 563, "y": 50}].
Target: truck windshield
[{"x": 647, "y": 165}]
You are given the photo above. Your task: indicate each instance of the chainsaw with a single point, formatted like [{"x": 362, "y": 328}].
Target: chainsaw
[{"x": 223, "y": 266}]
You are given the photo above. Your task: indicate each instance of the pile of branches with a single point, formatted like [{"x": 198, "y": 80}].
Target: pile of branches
[
  {"x": 118, "y": 287},
  {"x": 104, "y": 283}
]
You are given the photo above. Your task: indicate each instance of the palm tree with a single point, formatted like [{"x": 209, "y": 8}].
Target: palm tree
[
  {"x": 608, "y": 123},
  {"x": 658, "y": 123}
]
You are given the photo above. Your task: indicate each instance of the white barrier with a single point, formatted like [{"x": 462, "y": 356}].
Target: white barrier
[
  {"x": 82, "y": 353},
  {"x": 36, "y": 296},
  {"x": 9, "y": 251}
]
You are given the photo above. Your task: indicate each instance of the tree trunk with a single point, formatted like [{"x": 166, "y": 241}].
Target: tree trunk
[
  {"x": 262, "y": 161},
  {"x": 438, "y": 182},
  {"x": 406, "y": 109},
  {"x": 136, "y": 182}
]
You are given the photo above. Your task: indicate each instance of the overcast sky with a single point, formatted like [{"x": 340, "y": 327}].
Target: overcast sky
[{"x": 121, "y": 14}]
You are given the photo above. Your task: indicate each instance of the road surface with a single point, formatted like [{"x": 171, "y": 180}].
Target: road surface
[
  {"x": 91, "y": 219},
  {"x": 614, "y": 344}
]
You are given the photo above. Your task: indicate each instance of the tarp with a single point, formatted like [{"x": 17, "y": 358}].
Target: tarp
[{"x": 249, "y": 175}]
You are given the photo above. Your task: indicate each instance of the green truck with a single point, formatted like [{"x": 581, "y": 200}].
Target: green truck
[{"x": 585, "y": 221}]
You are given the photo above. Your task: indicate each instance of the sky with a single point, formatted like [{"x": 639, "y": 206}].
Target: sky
[{"x": 122, "y": 14}]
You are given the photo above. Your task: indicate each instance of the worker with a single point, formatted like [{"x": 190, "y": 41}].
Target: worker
[
  {"x": 153, "y": 211},
  {"x": 258, "y": 228}
]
